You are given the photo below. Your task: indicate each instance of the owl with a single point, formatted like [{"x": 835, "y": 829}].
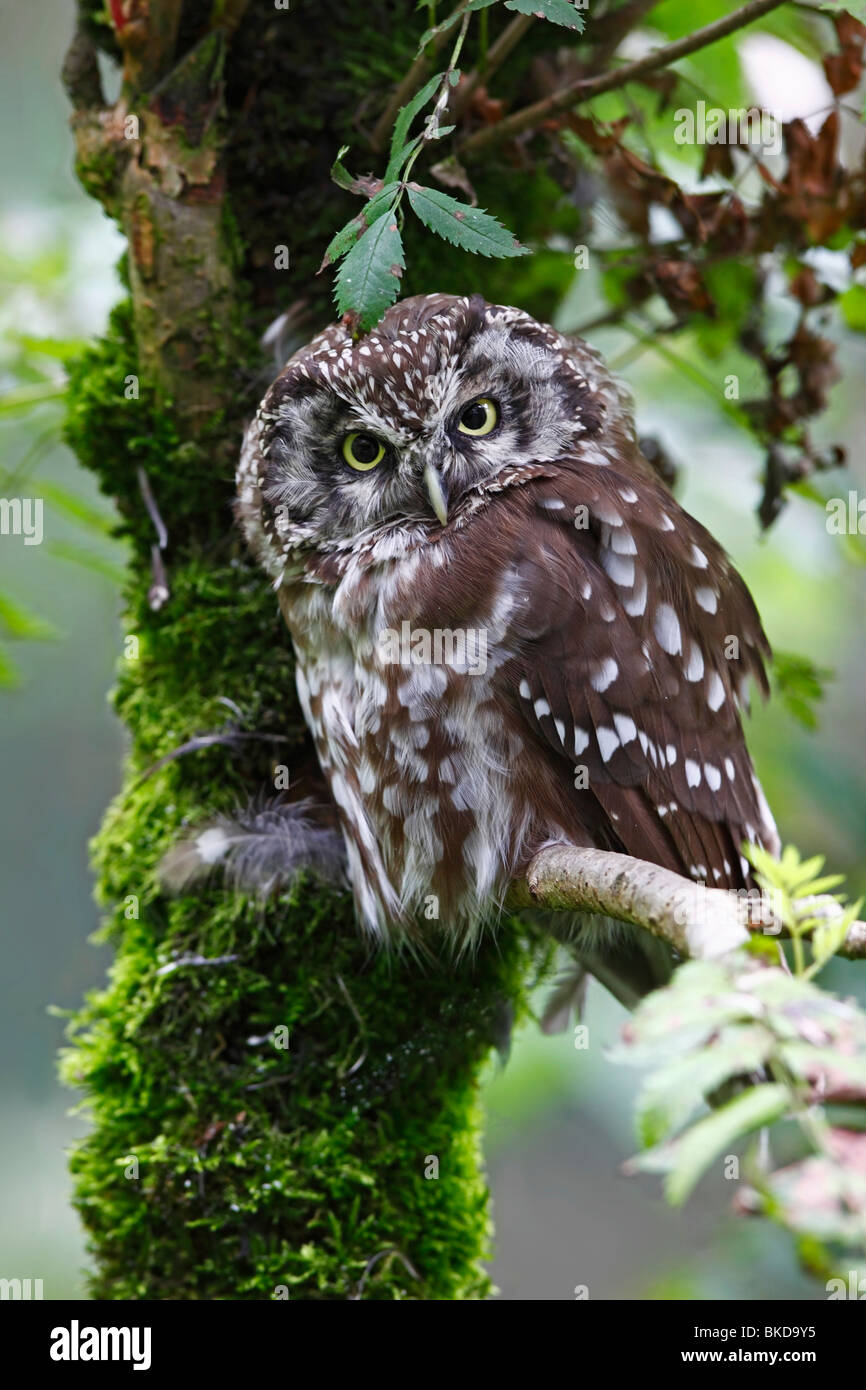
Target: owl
[{"x": 508, "y": 633}]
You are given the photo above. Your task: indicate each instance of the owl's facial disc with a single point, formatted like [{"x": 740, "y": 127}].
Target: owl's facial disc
[{"x": 396, "y": 429}]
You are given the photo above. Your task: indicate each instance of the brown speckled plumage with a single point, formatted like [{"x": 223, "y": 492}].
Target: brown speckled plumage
[{"x": 605, "y": 710}]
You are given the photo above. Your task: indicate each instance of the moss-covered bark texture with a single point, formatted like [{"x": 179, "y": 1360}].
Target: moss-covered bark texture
[{"x": 220, "y": 1164}]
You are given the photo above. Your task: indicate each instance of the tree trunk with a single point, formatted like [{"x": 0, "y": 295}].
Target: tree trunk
[{"x": 277, "y": 1111}]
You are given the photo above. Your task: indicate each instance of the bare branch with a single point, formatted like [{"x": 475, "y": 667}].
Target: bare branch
[
  {"x": 584, "y": 88},
  {"x": 696, "y": 921},
  {"x": 499, "y": 51}
]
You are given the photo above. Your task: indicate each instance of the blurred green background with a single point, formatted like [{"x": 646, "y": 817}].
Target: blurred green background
[{"x": 559, "y": 1119}]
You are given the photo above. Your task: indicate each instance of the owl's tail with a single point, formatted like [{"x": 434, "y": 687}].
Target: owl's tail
[
  {"x": 260, "y": 850},
  {"x": 628, "y": 962}
]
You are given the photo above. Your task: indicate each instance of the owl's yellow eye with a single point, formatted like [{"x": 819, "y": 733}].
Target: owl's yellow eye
[
  {"x": 479, "y": 418},
  {"x": 363, "y": 451}
]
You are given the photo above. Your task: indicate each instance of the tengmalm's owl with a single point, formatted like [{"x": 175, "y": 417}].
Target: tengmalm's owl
[{"x": 508, "y": 633}]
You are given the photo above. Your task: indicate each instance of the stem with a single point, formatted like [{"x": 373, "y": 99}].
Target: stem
[
  {"x": 438, "y": 108},
  {"x": 586, "y": 87},
  {"x": 411, "y": 82}
]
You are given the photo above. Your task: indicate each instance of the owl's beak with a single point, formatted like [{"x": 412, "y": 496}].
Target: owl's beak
[{"x": 436, "y": 492}]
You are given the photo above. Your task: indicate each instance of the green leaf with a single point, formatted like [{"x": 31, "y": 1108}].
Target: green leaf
[
  {"x": 462, "y": 225},
  {"x": 23, "y": 398},
  {"x": 556, "y": 11},
  {"x": 60, "y": 349},
  {"x": 342, "y": 241},
  {"x": 800, "y": 683},
  {"x": 452, "y": 19},
  {"x": 853, "y": 306},
  {"x": 405, "y": 117},
  {"x": 345, "y": 239},
  {"x": 829, "y": 936},
  {"x": 339, "y": 172},
  {"x": 76, "y": 509},
  {"x": 21, "y": 623},
  {"x": 9, "y": 677},
  {"x": 91, "y": 561},
  {"x": 368, "y": 280},
  {"x": 669, "y": 1096},
  {"x": 687, "y": 1158}
]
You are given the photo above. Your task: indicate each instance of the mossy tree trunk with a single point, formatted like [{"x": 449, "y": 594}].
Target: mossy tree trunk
[{"x": 221, "y": 1163}]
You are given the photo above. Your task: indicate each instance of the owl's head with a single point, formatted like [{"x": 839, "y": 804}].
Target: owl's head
[{"x": 400, "y": 425}]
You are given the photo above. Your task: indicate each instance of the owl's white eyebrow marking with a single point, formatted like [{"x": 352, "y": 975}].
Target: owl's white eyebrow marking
[
  {"x": 693, "y": 773},
  {"x": 625, "y": 727},
  {"x": 715, "y": 691},
  {"x": 581, "y": 739},
  {"x": 604, "y": 674},
  {"x": 607, "y": 743},
  {"x": 667, "y": 629},
  {"x": 708, "y": 599},
  {"x": 695, "y": 665}
]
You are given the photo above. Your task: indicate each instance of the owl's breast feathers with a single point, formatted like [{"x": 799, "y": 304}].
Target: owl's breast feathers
[{"x": 565, "y": 661}]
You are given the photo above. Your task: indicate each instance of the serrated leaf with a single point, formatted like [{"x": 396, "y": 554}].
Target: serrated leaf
[
  {"x": 828, "y": 937},
  {"x": 366, "y": 283},
  {"x": 669, "y": 1096},
  {"x": 556, "y": 11},
  {"x": 19, "y": 622},
  {"x": 339, "y": 172},
  {"x": 396, "y": 162},
  {"x": 808, "y": 1062},
  {"x": 462, "y": 225},
  {"x": 405, "y": 117},
  {"x": 346, "y": 237},
  {"x": 687, "y": 1158}
]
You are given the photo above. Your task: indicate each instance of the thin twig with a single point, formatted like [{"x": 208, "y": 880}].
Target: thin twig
[
  {"x": 412, "y": 81},
  {"x": 586, "y": 87}
]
